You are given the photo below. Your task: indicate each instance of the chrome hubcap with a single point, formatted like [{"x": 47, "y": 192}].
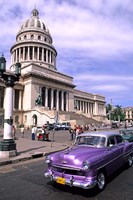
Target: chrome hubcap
[
  {"x": 101, "y": 181},
  {"x": 130, "y": 161}
]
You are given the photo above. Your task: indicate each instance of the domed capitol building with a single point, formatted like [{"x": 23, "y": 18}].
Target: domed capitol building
[{"x": 42, "y": 91}]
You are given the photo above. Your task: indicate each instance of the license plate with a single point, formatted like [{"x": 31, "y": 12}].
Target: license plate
[{"x": 61, "y": 180}]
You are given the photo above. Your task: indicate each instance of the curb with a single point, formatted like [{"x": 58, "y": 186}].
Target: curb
[
  {"x": 30, "y": 156},
  {"x": 21, "y": 158}
]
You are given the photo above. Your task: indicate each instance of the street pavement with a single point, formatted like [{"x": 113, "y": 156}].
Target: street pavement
[{"x": 30, "y": 149}]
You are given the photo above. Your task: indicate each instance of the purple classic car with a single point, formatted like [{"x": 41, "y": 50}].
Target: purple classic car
[{"x": 88, "y": 163}]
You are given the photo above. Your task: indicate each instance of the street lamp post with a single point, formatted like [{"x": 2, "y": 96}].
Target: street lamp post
[{"x": 8, "y": 145}]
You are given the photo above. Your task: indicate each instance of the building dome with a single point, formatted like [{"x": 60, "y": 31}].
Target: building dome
[
  {"x": 34, "y": 44},
  {"x": 34, "y": 22}
]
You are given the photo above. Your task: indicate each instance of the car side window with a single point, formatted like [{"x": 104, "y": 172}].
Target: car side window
[
  {"x": 111, "y": 141},
  {"x": 119, "y": 139}
]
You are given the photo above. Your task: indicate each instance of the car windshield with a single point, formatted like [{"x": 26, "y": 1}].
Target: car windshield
[
  {"x": 126, "y": 132},
  {"x": 95, "y": 141}
]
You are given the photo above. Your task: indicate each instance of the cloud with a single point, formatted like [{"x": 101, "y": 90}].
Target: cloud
[
  {"x": 94, "y": 40},
  {"x": 102, "y": 77},
  {"x": 111, "y": 88}
]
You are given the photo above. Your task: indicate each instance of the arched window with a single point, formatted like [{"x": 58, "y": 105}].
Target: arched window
[
  {"x": 16, "y": 118},
  {"x": 39, "y": 37},
  {"x": 34, "y": 119},
  {"x": 32, "y": 37},
  {"x": 25, "y": 37}
]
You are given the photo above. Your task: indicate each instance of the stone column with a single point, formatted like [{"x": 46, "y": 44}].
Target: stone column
[
  {"x": 67, "y": 101},
  {"x": 85, "y": 107},
  {"x": 33, "y": 53},
  {"x": 79, "y": 105},
  {"x": 46, "y": 97},
  {"x": 28, "y": 57},
  {"x": 52, "y": 98},
  {"x": 50, "y": 56},
  {"x": 96, "y": 108},
  {"x": 62, "y": 101},
  {"x": 57, "y": 100},
  {"x": 38, "y": 53},
  {"x": 19, "y": 55},
  {"x": 23, "y": 53},
  {"x": 20, "y": 99},
  {"x": 47, "y": 56},
  {"x": 15, "y": 59},
  {"x": 90, "y": 108},
  {"x": 16, "y": 55},
  {"x": 42, "y": 54}
]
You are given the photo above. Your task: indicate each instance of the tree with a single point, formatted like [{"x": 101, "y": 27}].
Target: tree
[
  {"x": 115, "y": 113},
  {"x": 118, "y": 113}
]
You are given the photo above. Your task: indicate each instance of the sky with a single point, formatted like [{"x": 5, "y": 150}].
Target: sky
[{"x": 93, "y": 39}]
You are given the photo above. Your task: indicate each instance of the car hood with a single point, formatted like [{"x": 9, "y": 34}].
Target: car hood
[
  {"x": 75, "y": 156},
  {"x": 126, "y": 137}
]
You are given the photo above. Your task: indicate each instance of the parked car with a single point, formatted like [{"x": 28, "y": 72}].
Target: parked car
[
  {"x": 127, "y": 134},
  {"x": 115, "y": 124},
  {"x": 65, "y": 126},
  {"x": 88, "y": 163},
  {"x": 51, "y": 126}
]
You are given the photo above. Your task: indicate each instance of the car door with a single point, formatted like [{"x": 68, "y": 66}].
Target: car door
[
  {"x": 112, "y": 155},
  {"x": 119, "y": 152}
]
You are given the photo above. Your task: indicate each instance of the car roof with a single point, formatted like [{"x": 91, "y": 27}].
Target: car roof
[{"x": 100, "y": 133}]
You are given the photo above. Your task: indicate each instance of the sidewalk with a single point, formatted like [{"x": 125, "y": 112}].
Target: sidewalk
[{"x": 31, "y": 149}]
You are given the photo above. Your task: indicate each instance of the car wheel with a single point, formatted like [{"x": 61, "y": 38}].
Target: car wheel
[
  {"x": 101, "y": 181},
  {"x": 130, "y": 161}
]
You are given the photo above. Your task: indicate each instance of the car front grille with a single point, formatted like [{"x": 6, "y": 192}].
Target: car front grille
[{"x": 68, "y": 171}]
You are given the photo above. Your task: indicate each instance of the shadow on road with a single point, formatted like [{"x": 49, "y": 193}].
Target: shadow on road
[{"x": 86, "y": 193}]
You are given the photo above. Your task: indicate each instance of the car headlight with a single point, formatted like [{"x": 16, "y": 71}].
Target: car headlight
[
  {"x": 86, "y": 165},
  {"x": 47, "y": 160}
]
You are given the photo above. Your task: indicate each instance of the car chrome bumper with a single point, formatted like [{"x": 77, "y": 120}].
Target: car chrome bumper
[{"x": 72, "y": 182}]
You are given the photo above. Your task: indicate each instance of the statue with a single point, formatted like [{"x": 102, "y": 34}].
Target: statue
[{"x": 38, "y": 101}]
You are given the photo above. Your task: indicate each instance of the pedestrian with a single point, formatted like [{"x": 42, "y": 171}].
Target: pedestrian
[
  {"x": 47, "y": 134},
  {"x": 78, "y": 130},
  {"x": 22, "y": 131},
  {"x": 34, "y": 132},
  {"x": 72, "y": 132},
  {"x": 125, "y": 125},
  {"x": 13, "y": 132},
  {"x": 44, "y": 132}
]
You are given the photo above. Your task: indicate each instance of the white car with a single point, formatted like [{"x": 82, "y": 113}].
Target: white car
[{"x": 65, "y": 126}]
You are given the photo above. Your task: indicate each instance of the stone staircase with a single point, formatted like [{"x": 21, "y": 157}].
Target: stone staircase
[{"x": 76, "y": 118}]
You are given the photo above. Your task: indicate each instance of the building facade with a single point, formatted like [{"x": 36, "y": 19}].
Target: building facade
[
  {"x": 128, "y": 114},
  {"x": 40, "y": 78}
]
